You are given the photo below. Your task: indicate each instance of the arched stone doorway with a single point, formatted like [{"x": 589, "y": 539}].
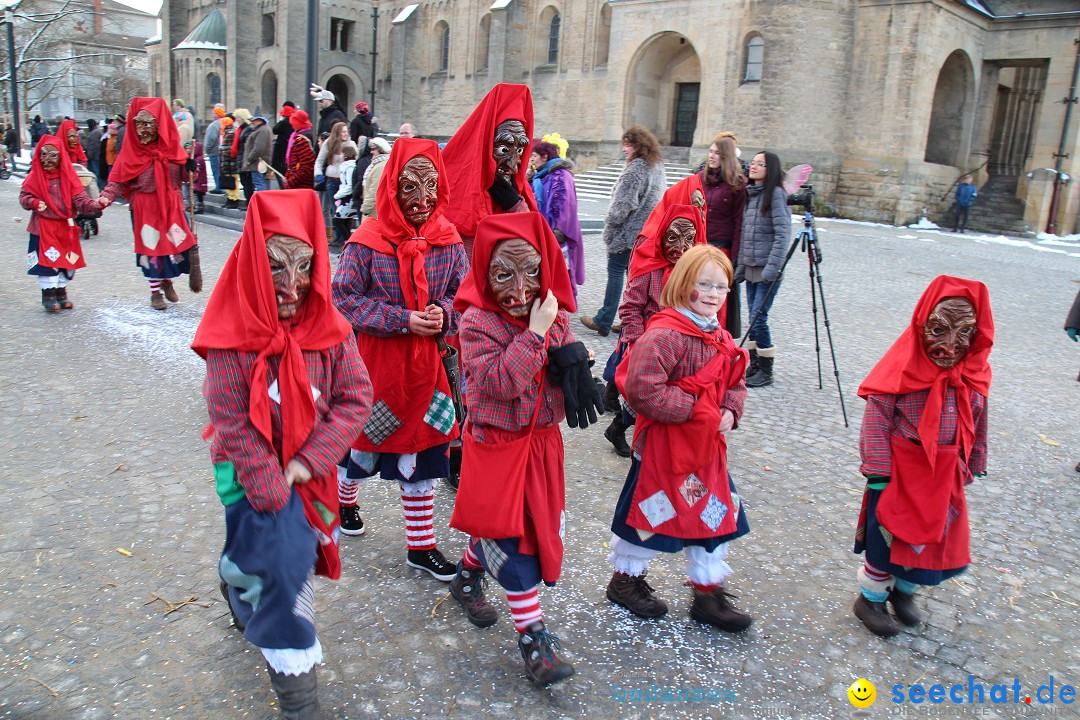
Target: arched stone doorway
[
  {"x": 663, "y": 87},
  {"x": 269, "y": 93},
  {"x": 341, "y": 86},
  {"x": 948, "y": 138}
]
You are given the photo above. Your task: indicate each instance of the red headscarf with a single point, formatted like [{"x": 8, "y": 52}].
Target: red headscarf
[
  {"x": 468, "y": 155},
  {"x": 299, "y": 120},
  {"x": 906, "y": 367},
  {"x": 649, "y": 254},
  {"x": 242, "y": 312},
  {"x": 391, "y": 234},
  {"x": 534, "y": 229},
  {"x": 76, "y": 153},
  {"x": 677, "y": 194}
]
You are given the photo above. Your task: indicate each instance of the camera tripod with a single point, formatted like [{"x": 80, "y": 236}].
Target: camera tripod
[{"x": 806, "y": 240}]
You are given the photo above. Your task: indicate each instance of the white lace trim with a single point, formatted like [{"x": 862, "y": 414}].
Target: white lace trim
[{"x": 290, "y": 661}]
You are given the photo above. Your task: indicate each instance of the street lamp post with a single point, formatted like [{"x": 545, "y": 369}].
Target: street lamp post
[
  {"x": 9, "y": 20},
  {"x": 374, "y": 50},
  {"x": 312, "y": 54}
]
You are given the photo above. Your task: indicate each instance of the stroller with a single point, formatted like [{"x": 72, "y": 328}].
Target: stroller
[{"x": 88, "y": 223}]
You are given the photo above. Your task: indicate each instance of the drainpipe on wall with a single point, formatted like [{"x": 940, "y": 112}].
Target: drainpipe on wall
[{"x": 1055, "y": 196}]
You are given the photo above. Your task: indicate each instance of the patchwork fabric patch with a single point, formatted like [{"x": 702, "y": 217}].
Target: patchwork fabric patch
[
  {"x": 381, "y": 424},
  {"x": 305, "y": 603},
  {"x": 644, "y": 534},
  {"x": 440, "y": 413},
  {"x": 72, "y": 257},
  {"x": 176, "y": 234},
  {"x": 692, "y": 490},
  {"x": 657, "y": 508},
  {"x": 917, "y": 549},
  {"x": 53, "y": 254},
  {"x": 714, "y": 513},
  {"x": 736, "y": 504},
  {"x": 150, "y": 236},
  {"x": 31, "y": 260},
  {"x": 887, "y": 535},
  {"x": 494, "y": 555},
  {"x": 950, "y": 518}
]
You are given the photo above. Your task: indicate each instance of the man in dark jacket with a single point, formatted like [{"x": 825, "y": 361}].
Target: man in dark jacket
[
  {"x": 363, "y": 124},
  {"x": 91, "y": 144},
  {"x": 282, "y": 132},
  {"x": 329, "y": 111},
  {"x": 965, "y": 198},
  {"x": 11, "y": 142}
]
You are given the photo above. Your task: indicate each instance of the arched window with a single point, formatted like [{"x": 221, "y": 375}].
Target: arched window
[
  {"x": 268, "y": 30},
  {"x": 213, "y": 84},
  {"x": 603, "y": 36},
  {"x": 553, "y": 39},
  {"x": 755, "y": 54},
  {"x": 483, "y": 40},
  {"x": 269, "y": 90},
  {"x": 442, "y": 49}
]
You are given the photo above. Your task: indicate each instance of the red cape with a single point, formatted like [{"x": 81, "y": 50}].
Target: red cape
[
  {"x": 906, "y": 368},
  {"x": 76, "y": 153},
  {"x": 649, "y": 254},
  {"x": 468, "y": 156},
  {"x": 534, "y": 229},
  {"x": 62, "y": 235},
  {"x": 391, "y": 234},
  {"x": 161, "y": 227}
]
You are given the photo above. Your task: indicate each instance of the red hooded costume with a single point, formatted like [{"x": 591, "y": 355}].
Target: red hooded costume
[
  {"x": 158, "y": 217},
  {"x": 468, "y": 156},
  {"x": 58, "y": 239},
  {"x": 649, "y": 253},
  {"x": 407, "y": 370},
  {"x": 681, "y": 193},
  {"x": 526, "y": 498},
  {"x": 242, "y": 315},
  {"x": 927, "y": 479},
  {"x": 76, "y": 153}
]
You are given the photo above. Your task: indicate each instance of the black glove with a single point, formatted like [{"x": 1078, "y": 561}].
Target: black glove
[
  {"x": 569, "y": 367},
  {"x": 503, "y": 193},
  {"x": 191, "y": 165}
]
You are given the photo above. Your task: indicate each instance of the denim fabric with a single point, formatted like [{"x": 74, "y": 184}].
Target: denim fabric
[
  {"x": 215, "y": 170},
  {"x": 617, "y": 264},
  {"x": 756, "y": 300},
  {"x": 259, "y": 180}
]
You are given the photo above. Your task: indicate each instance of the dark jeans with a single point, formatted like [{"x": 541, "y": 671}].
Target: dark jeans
[
  {"x": 215, "y": 169},
  {"x": 755, "y": 302},
  {"x": 617, "y": 263},
  {"x": 248, "y": 183},
  {"x": 961, "y": 218}
]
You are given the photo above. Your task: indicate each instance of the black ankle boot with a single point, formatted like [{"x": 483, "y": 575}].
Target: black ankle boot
[
  {"x": 754, "y": 364},
  {"x": 48, "y": 300},
  {"x": 200, "y": 207},
  {"x": 616, "y": 435},
  {"x": 298, "y": 695},
  {"x": 763, "y": 376}
]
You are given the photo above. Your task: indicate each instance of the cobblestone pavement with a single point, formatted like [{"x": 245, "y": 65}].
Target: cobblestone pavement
[{"x": 100, "y": 416}]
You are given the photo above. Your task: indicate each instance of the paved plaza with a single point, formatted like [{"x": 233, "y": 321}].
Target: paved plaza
[{"x": 109, "y": 511}]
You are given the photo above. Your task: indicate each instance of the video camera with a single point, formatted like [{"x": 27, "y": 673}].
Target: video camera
[{"x": 804, "y": 198}]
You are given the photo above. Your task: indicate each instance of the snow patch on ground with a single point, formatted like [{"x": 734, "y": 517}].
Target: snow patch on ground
[{"x": 161, "y": 337}]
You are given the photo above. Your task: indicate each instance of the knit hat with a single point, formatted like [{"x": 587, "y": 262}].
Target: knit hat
[
  {"x": 219, "y": 110},
  {"x": 381, "y": 144},
  {"x": 361, "y": 107},
  {"x": 300, "y": 120},
  {"x": 242, "y": 115},
  {"x": 180, "y": 102},
  {"x": 287, "y": 110}
]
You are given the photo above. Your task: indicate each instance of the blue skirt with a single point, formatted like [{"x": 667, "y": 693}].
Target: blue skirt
[
  {"x": 431, "y": 464},
  {"x": 666, "y": 543},
  {"x": 878, "y": 551},
  {"x": 164, "y": 267}
]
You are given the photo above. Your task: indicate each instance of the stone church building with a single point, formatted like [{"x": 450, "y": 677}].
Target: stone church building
[{"x": 891, "y": 101}]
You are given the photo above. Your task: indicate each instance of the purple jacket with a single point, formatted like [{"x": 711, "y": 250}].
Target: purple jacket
[{"x": 557, "y": 202}]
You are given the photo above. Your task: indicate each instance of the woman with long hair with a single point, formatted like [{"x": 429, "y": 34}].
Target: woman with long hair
[
  {"x": 724, "y": 184},
  {"x": 636, "y": 192},
  {"x": 328, "y": 172},
  {"x": 766, "y": 230}
]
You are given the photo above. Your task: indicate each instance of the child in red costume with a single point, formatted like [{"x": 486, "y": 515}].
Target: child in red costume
[
  {"x": 523, "y": 369},
  {"x": 684, "y": 379},
  {"x": 147, "y": 171},
  {"x": 395, "y": 282},
  {"x": 53, "y": 194},
  {"x": 286, "y": 392},
  {"x": 651, "y": 264},
  {"x": 923, "y": 440}
]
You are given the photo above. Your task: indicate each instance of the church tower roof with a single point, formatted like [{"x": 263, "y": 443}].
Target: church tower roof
[{"x": 209, "y": 34}]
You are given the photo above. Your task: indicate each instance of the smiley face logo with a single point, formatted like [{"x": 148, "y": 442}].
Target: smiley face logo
[{"x": 862, "y": 693}]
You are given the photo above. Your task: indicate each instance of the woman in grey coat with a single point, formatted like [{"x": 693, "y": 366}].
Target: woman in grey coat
[
  {"x": 766, "y": 230},
  {"x": 636, "y": 192}
]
